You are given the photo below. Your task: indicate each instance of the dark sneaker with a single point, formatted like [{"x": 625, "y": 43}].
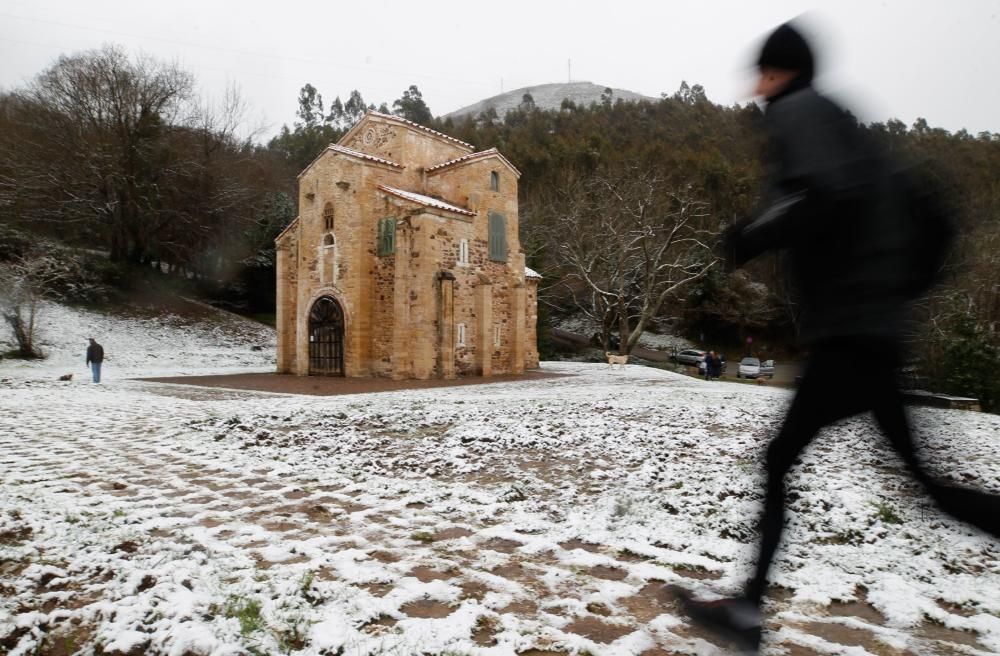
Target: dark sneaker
[{"x": 737, "y": 620}]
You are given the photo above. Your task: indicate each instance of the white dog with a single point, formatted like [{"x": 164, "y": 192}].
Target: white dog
[{"x": 615, "y": 359}]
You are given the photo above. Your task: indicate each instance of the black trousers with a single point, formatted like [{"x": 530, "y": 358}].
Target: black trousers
[{"x": 843, "y": 378}]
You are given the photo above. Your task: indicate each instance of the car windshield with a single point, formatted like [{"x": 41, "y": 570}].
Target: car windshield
[{"x": 750, "y": 362}]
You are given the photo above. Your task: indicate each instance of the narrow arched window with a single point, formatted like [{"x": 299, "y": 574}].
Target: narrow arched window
[
  {"x": 328, "y": 216},
  {"x": 329, "y": 259},
  {"x": 494, "y": 181}
]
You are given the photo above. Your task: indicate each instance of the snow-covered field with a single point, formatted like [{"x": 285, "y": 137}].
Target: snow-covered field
[
  {"x": 144, "y": 343},
  {"x": 533, "y": 517}
]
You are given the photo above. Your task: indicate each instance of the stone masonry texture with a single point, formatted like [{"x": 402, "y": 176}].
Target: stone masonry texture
[{"x": 419, "y": 311}]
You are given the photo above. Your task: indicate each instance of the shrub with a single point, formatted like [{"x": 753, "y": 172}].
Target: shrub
[{"x": 962, "y": 359}]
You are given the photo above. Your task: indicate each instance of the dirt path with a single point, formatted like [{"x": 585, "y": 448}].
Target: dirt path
[{"x": 333, "y": 386}]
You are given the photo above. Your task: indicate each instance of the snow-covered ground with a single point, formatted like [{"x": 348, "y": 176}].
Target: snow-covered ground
[
  {"x": 142, "y": 342},
  {"x": 492, "y": 520}
]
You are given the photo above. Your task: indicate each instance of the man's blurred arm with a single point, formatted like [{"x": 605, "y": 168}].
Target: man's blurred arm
[{"x": 768, "y": 230}]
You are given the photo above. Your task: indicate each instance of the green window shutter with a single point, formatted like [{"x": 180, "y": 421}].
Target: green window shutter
[
  {"x": 498, "y": 237},
  {"x": 387, "y": 236}
]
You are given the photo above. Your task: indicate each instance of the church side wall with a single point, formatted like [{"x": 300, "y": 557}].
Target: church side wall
[
  {"x": 286, "y": 301},
  {"x": 344, "y": 183},
  {"x": 531, "y": 325},
  {"x": 469, "y": 184},
  {"x": 383, "y": 292},
  {"x": 446, "y": 235}
]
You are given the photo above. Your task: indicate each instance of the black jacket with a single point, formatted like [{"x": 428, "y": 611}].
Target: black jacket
[
  {"x": 95, "y": 353},
  {"x": 830, "y": 206}
]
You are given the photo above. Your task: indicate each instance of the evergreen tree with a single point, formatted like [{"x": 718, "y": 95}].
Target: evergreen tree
[
  {"x": 336, "y": 117},
  {"x": 310, "y": 107},
  {"x": 354, "y": 108},
  {"x": 412, "y": 107}
]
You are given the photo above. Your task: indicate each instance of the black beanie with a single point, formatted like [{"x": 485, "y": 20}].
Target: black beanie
[{"x": 787, "y": 49}]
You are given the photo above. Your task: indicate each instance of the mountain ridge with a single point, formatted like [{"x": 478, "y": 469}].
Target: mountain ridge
[{"x": 546, "y": 96}]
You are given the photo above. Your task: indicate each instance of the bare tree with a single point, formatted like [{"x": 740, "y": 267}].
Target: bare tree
[
  {"x": 107, "y": 149},
  {"x": 623, "y": 244},
  {"x": 90, "y": 144},
  {"x": 736, "y": 300},
  {"x": 25, "y": 281}
]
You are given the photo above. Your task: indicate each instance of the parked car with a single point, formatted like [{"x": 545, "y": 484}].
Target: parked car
[
  {"x": 767, "y": 368},
  {"x": 692, "y": 357},
  {"x": 702, "y": 365},
  {"x": 749, "y": 368}
]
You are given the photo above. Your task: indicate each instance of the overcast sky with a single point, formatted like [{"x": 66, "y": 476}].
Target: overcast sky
[{"x": 893, "y": 58}]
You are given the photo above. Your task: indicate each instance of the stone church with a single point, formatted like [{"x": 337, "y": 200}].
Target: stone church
[{"x": 405, "y": 260}]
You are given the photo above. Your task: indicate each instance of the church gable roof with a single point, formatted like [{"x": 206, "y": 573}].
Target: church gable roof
[
  {"x": 426, "y": 201},
  {"x": 350, "y": 152},
  {"x": 474, "y": 157},
  {"x": 287, "y": 231},
  {"x": 343, "y": 150},
  {"x": 416, "y": 127}
]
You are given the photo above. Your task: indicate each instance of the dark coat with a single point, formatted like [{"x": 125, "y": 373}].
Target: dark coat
[
  {"x": 95, "y": 353},
  {"x": 831, "y": 208}
]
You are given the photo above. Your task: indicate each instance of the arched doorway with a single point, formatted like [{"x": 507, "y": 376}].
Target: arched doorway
[{"x": 326, "y": 338}]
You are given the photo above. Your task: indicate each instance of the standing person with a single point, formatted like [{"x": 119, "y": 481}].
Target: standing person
[
  {"x": 711, "y": 361},
  {"x": 847, "y": 234},
  {"x": 717, "y": 369},
  {"x": 95, "y": 356}
]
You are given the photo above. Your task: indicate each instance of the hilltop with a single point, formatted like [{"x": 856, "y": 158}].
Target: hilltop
[{"x": 546, "y": 96}]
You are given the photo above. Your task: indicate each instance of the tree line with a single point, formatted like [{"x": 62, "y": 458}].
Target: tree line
[{"x": 115, "y": 154}]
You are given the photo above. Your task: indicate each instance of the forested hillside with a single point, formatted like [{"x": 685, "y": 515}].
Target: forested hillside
[
  {"x": 114, "y": 162},
  {"x": 543, "y": 96}
]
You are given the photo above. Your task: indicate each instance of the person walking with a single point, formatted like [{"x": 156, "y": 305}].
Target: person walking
[
  {"x": 95, "y": 356},
  {"x": 833, "y": 209}
]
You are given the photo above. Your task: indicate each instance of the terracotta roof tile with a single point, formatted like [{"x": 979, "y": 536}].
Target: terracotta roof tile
[
  {"x": 361, "y": 155},
  {"x": 288, "y": 228},
  {"x": 471, "y": 157},
  {"x": 417, "y": 126},
  {"x": 427, "y": 201}
]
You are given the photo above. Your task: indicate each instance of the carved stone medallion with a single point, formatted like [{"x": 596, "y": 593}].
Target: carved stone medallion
[{"x": 374, "y": 138}]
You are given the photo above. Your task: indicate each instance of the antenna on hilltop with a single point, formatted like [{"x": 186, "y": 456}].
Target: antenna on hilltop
[
  {"x": 501, "y": 85},
  {"x": 569, "y": 70}
]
